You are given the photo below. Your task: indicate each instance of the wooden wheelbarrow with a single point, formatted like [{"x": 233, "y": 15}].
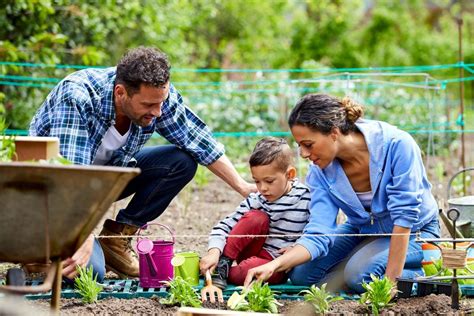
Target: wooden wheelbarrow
[{"x": 47, "y": 212}]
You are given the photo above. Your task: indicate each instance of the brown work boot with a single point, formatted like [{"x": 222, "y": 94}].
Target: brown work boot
[{"x": 119, "y": 255}]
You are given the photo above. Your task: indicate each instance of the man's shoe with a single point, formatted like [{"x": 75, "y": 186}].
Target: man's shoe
[
  {"x": 119, "y": 255},
  {"x": 221, "y": 273}
]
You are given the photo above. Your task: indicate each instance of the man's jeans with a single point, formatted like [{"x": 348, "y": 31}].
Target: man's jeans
[
  {"x": 355, "y": 258},
  {"x": 165, "y": 170}
]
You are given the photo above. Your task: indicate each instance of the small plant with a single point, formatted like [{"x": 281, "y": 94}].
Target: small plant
[
  {"x": 181, "y": 293},
  {"x": 7, "y": 144},
  {"x": 319, "y": 298},
  {"x": 86, "y": 284},
  {"x": 257, "y": 298},
  {"x": 378, "y": 294}
]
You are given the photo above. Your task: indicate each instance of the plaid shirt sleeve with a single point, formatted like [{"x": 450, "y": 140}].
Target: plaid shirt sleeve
[
  {"x": 180, "y": 126},
  {"x": 64, "y": 115}
]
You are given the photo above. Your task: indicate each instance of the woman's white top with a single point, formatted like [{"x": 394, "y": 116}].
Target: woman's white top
[{"x": 365, "y": 199}]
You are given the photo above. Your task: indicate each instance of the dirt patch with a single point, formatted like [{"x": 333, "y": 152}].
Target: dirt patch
[
  {"x": 429, "y": 305},
  {"x": 191, "y": 216}
]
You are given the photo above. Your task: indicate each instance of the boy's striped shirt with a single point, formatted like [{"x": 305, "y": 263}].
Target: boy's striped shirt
[{"x": 288, "y": 216}]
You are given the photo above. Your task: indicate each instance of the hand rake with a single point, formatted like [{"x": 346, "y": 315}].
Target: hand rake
[{"x": 211, "y": 290}]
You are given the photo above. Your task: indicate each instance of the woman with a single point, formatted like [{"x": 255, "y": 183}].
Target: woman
[{"x": 374, "y": 173}]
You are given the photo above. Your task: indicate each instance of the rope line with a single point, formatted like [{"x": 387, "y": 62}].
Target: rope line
[
  {"x": 263, "y": 70},
  {"x": 275, "y": 133},
  {"x": 258, "y": 236}
]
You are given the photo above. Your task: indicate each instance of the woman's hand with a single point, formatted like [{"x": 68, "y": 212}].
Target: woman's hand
[
  {"x": 209, "y": 261},
  {"x": 80, "y": 258},
  {"x": 263, "y": 272},
  {"x": 292, "y": 257}
]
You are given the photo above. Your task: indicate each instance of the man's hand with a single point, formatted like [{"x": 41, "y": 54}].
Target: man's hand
[
  {"x": 263, "y": 272},
  {"x": 225, "y": 170},
  {"x": 247, "y": 189},
  {"x": 80, "y": 258},
  {"x": 209, "y": 261}
]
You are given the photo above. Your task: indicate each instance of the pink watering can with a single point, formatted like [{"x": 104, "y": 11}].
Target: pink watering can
[{"x": 154, "y": 257}]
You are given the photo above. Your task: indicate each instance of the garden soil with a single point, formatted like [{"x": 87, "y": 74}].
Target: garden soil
[{"x": 191, "y": 216}]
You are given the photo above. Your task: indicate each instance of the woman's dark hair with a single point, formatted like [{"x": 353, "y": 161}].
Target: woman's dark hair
[
  {"x": 322, "y": 113},
  {"x": 270, "y": 149},
  {"x": 142, "y": 65}
]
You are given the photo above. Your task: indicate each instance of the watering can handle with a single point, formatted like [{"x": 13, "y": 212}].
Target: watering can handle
[
  {"x": 454, "y": 176},
  {"x": 158, "y": 224}
]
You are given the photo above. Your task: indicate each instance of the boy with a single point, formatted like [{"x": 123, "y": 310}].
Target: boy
[{"x": 280, "y": 207}]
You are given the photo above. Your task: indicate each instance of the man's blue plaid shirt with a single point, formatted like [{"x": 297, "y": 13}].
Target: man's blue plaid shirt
[{"x": 80, "y": 110}]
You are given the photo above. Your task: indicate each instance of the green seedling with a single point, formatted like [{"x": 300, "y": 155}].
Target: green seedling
[
  {"x": 7, "y": 144},
  {"x": 257, "y": 298},
  {"x": 181, "y": 293},
  {"x": 86, "y": 284},
  {"x": 319, "y": 298},
  {"x": 378, "y": 294}
]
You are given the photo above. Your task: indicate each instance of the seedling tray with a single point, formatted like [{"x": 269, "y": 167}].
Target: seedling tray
[
  {"x": 410, "y": 288},
  {"x": 130, "y": 289}
]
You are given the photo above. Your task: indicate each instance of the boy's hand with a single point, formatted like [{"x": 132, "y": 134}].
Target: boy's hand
[{"x": 209, "y": 261}]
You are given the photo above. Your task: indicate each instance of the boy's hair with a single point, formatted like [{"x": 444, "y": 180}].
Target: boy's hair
[{"x": 270, "y": 149}]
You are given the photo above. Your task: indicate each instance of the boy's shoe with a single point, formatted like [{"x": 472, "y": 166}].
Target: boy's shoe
[{"x": 219, "y": 278}]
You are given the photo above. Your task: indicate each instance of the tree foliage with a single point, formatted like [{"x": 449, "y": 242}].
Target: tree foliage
[{"x": 222, "y": 34}]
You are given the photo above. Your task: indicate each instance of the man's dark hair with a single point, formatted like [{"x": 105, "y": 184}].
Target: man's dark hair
[
  {"x": 142, "y": 65},
  {"x": 270, "y": 149}
]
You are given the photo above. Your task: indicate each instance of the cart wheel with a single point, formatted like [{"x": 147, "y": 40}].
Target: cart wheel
[{"x": 15, "y": 276}]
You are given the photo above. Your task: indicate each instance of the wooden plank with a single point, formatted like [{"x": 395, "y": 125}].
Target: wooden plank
[{"x": 35, "y": 148}]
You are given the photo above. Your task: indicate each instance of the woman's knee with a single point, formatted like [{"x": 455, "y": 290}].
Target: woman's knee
[
  {"x": 356, "y": 274},
  {"x": 301, "y": 275}
]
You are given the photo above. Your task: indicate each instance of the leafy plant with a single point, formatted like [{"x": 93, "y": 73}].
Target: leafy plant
[
  {"x": 378, "y": 294},
  {"x": 60, "y": 160},
  {"x": 257, "y": 298},
  {"x": 7, "y": 144},
  {"x": 86, "y": 284},
  {"x": 319, "y": 298},
  {"x": 181, "y": 293}
]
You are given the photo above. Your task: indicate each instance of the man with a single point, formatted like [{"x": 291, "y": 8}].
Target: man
[{"x": 104, "y": 117}]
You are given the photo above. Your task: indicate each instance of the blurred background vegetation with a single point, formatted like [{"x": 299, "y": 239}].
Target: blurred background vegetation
[{"x": 242, "y": 64}]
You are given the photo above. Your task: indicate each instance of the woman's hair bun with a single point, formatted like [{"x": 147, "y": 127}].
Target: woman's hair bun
[{"x": 353, "y": 110}]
